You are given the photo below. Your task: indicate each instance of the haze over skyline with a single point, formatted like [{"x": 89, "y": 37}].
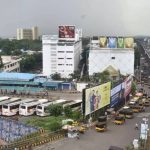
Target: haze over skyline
[{"x": 96, "y": 17}]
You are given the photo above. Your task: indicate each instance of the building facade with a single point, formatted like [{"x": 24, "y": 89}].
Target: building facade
[
  {"x": 29, "y": 34},
  {"x": 121, "y": 59},
  {"x": 61, "y": 56},
  {"x": 11, "y": 63}
]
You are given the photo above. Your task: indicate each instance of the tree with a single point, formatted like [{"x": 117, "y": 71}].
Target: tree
[
  {"x": 1, "y": 63},
  {"x": 101, "y": 77},
  {"x": 133, "y": 88},
  {"x": 56, "y": 76},
  {"x": 68, "y": 112},
  {"x": 75, "y": 75},
  {"x": 55, "y": 110}
]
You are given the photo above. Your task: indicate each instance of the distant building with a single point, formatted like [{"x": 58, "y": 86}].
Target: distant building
[
  {"x": 11, "y": 63},
  {"x": 108, "y": 56},
  {"x": 62, "y": 54},
  {"x": 30, "y": 34}
]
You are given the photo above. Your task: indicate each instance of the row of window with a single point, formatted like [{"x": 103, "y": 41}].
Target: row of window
[
  {"x": 64, "y": 51},
  {"x": 10, "y": 65},
  {"x": 66, "y": 64},
  {"x": 63, "y": 58}
]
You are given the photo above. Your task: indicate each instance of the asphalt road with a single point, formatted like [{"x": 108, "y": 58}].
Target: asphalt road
[{"x": 117, "y": 135}]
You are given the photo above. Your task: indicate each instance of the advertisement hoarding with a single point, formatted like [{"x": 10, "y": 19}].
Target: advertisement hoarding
[
  {"x": 97, "y": 97},
  {"x": 103, "y": 42},
  {"x": 127, "y": 85},
  {"x": 112, "y": 42},
  {"x": 120, "y": 42},
  {"x": 129, "y": 42},
  {"x": 66, "y": 32},
  {"x": 116, "y": 95}
]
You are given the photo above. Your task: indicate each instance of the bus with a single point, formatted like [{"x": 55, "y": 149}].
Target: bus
[
  {"x": 5, "y": 102},
  {"x": 29, "y": 108},
  {"x": 11, "y": 108},
  {"x": 41, "y": 109},
  {"x": 4, "y": 98},
  {"x": 75, "y": 105}
]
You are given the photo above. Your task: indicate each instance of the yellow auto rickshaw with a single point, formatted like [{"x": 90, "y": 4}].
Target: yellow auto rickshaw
[
  {"x": 129, "y": 114},
  {"x": 101, "y": 124},
  {"x": 101, "y": 127},
  {"x": 82, "y": 129},
  {"x": 119, "y": 120},
  {"x": 147, "y": 103}
]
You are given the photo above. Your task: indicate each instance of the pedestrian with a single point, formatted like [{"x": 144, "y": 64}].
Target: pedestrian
[
  {"x": 136, "y": 126},
  {"x": 78, "y": 136}
]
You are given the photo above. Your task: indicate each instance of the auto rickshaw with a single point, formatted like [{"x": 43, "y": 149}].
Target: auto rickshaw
[
  {"x": 147, "y": 103},
  {"x": 129, "y": 114},
  {"x": 101, "y": 124},
  {"x": 119, "y": 120},
  {"x": 101, "y": 127},
  {"x": 137, "y": 109},
  {"x": 82, "y": 129}
]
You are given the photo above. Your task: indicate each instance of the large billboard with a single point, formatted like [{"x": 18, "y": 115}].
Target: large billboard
[
  {"x": 97, "y": 97},
  {"x": 66, "y": 32},
  {"x": 103, "y": 42},
  {"x": 120, "y": 42},
  {"x": 129, "y": 42},
  {"x": 112, "y": 42},
  {"x": 116, "y": 95},
  {"x": 127, "y": 85}
]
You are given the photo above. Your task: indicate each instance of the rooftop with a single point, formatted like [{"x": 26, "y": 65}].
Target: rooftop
[{"x": 17, "y": 76}]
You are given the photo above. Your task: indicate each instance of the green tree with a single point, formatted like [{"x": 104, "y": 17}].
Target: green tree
[
  {"x": 133, "y": 88},
  {"x": 56, "y": 76},
  {"x": 75, "y": 75},
  {"x": 1, "y": 63},
  {"x": 55, "y": 110},
  {"x": 68, "y": 111}
]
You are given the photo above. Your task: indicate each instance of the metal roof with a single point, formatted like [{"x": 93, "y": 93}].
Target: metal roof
[{"x": 16, "y": 76}]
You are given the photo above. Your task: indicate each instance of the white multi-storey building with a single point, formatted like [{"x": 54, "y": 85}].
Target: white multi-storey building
[
  {"x": 121, "y": 59},
  {"x": 61, "y": 56}
]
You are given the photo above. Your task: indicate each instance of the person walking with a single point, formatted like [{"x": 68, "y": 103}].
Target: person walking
[{"x": 136, "y": 126}]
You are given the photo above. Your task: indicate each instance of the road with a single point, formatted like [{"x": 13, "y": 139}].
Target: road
[{"x": 117, "y": 135}]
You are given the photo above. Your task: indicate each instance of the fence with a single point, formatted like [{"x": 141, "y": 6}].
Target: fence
[{"x": 34, "y": 140}]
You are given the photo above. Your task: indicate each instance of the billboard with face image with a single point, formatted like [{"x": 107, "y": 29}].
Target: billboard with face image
[{"x": 97, "y": 97}]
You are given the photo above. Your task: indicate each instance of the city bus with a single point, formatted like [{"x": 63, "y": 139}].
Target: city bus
[
  {"x": 75, "y": 105},
  {"x": 29, "y": 108},
  {"x": 11, "y": 108},
  {"x": 41, "y": 109}
]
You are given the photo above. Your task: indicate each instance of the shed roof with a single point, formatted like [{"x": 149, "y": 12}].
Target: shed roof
[{"x": 16, "y": 76}]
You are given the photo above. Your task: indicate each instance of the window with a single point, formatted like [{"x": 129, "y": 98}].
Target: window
[
  {"x": 60, "y": 51},
  {"x": 112, "y": 57},
  {"x": 69, "y": 51},
  {"x": 60, "y": 58},
  {"x": 60, "y": 64},
  {"x": 53, "y": 54}
]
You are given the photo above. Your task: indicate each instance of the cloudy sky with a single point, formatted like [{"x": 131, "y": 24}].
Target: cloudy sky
[{"x": 95, "y": 17}]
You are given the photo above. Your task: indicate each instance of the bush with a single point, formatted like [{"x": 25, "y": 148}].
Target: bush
[
  {"x": 76, "y": 115},
  {"x": 55, "y": 110},
  {"x": 68, "y": 112},
  {"x": 55, "y": 126}
]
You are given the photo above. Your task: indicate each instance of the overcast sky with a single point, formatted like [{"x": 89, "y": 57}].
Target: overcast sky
[{"x": 95, "y": 17}]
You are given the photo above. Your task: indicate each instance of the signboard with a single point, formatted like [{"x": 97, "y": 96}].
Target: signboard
[
  {"x": 116, "y": 95},
  {"x": 97, "y": 97},
  {"x": 103, "y": 42},
  {"x": 66, "y": 32},
  {"x": 144, "y": 131},
  {"x": 129, "y": 42},
  {"x": 112, "y": 42},
  {"x": 120, "y": 42},
  {"x": 127, "y": 85}
]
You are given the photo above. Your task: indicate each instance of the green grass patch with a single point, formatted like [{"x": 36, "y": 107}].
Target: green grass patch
[{"x": 50, "y": 123}]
